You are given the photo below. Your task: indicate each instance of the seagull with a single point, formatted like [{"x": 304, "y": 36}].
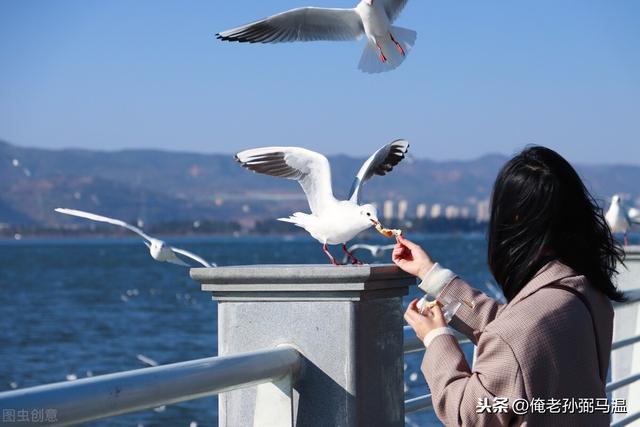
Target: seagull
[
  {"x": 147, "y": 360},
  {"x": 158, "y": 249},
  {"x": 620, "y": 221},
  {"x": 376, "y": 250},
  {"x": 386, "y": 48},
  {"x": 332, "y": 221}
]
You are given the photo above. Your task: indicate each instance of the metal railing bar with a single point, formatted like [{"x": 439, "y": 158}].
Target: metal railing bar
[
  {"x": 130, "y": 391},
  {"x": 420, "y": 403},
  {"x": 614, "y": 385},
  {"x": 633, "y": 296},
  {"x": 412, "y": 344},
  {"x": 627, "y": 420},
  {"x": 625, "y": 342}
]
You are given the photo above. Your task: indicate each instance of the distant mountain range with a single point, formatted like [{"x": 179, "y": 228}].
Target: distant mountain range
[{"x": 161, "y": 186}]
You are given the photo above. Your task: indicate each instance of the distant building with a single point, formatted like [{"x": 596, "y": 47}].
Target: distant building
[
  {"x": 421, "y": 210},
  {"x": 464, "y": 212},
  {"x": 402, "y": 209},
  {"x": 436, "y": 210},
  {"x": 387, "y": 209},
  {"x": 452, "y": 212},
  {"x": 482, "y": 211}
]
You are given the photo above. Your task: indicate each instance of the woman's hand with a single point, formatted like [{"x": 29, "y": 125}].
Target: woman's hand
[
  {"x": 430, "y": 319},
  {"x": 411, "y": 257}
]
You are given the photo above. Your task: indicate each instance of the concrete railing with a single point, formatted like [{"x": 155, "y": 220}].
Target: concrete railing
[
  {"x": 299, "y": 345},
  {"x": 130, "y": 391},
  {"x": 625, "y": 357}
]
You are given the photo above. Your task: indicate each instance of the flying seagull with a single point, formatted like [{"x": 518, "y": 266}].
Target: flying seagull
[
  {"x": 619, "y": 220},
  {"x": 376, "y": 250},
  {"x": 332, "y": 221},
  {"x": 158, "y": 249},
  {"x": 386, "y": 48}
]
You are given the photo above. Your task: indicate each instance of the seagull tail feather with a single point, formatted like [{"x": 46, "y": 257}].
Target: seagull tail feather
[
  {"x": 370, "y": 61},
  {"x": 298, "y": 218}
]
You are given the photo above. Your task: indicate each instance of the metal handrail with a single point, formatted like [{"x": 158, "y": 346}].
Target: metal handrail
[
  {"x": 625, "y": 342},
  {"x": 130, "y": 391},
  {"x": 613, "y": 385},
  {"x": 420, "y": 403},
  {"x": 633, "y": 296},
  {"x": 627, "y": 420}
]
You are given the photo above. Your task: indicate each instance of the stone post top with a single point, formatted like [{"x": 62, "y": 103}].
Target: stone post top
[{"x": 286, "y": 280}]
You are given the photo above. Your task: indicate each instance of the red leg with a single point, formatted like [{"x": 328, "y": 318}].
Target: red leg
[
  {"x": 626, "y": 240},
  {"x": 326, "y": 251},
  {"x": 382, "y": 57},
  {"x": 353, "y": 259},
  {"x": 398, "y": 45}
]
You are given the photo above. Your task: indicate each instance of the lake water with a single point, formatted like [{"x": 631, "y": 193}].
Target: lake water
[{"x": 90, "y": 306}]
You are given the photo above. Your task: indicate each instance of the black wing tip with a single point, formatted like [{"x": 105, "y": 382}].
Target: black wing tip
[
  {"x": 400, "y": 142},
  {"x": 236, "y": 39}
]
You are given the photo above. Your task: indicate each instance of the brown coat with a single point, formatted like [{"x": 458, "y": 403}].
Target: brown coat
[{"x": 539, "y": 345}]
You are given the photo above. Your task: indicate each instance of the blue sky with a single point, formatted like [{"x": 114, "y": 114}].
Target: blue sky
[{"x": 485, "y": 76}]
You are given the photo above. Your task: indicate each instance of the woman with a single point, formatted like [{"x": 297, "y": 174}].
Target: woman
[{"x": 548, "y": 347}]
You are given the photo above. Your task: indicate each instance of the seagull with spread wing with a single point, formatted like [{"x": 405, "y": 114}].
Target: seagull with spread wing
[
  {"x": 332, "y": 221},
  {"x": 386, "y": 48},
  {"x": 619, "y": 219},
  {"x": 158, "y": 249}
]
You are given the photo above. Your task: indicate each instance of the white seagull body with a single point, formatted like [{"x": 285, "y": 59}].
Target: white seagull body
[
  {"x": 619, "y": 220},
  {"x": 158, "y": 249},
  {"x": 332, "y": 221},
  {"x": 387, "y": 46}
]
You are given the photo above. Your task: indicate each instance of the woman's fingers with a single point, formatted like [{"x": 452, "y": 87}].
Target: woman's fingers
[
  {"x": 408, "y": 316},
  {"x": 411, "y": 314},
  {"x": 437, "y": 311},
  {"x": 408, "y": 243},
  {"x": 397, "y": 252}
]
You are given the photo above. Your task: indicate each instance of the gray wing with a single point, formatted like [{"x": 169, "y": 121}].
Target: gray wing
[
  {"x": 393, "y": 8},
  {"x": 303, "y": 24},
  {"x": 310, "y": 169},
  {"x": 191, "y": 255},
  {"x": 100, "y": 218},
  {"x": 381, "y": 162},
  {"x": 173, "y": 259}
]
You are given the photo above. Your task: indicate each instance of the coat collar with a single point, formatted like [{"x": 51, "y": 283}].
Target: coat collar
[{"x": 549, "y": 273}]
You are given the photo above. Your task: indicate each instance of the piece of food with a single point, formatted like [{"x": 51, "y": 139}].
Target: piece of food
[{"x": 388, "y": 232}]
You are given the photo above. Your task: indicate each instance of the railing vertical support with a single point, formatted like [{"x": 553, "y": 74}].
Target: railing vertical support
[{"x": 347, "y": 323}]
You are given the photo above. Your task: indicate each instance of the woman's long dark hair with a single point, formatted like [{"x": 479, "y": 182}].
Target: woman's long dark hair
[{"x": 541, "y": 210}]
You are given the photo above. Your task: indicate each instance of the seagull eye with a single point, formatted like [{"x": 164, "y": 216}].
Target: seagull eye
[{"x": 368, "y": 213}]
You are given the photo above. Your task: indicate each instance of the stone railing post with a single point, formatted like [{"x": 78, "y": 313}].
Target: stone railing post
[{"x": 347, "y": 323}]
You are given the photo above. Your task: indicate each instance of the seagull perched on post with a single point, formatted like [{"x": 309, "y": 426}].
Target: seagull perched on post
[
  {"x": 619, "y": 220},
  {"x": 158, "y": 249},
  {"x": 332, "y": 221},
  {"x": 386, "y": 48}
]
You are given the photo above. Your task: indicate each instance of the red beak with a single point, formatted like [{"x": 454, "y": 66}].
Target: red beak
[{"x": 374, "y": 221}]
